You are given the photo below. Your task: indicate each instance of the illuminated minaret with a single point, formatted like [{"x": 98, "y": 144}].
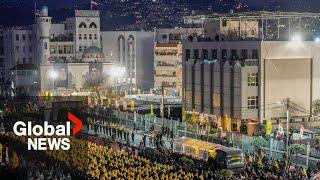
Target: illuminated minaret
[{"x": 43, "y": 36}]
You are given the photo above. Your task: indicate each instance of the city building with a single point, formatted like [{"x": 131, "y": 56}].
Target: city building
[
  {"x": 250, "y": 80},
  {"x": 168, "y": 58},
  {"x": 132, "y": 50},
  {"x": 71, "y": 49}
]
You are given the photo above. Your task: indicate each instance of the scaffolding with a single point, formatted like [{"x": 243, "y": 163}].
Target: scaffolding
[{"x": 272, "y": 25}]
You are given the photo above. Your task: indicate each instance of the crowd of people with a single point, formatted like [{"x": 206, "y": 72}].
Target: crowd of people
[{"x": 89, "y": 159}]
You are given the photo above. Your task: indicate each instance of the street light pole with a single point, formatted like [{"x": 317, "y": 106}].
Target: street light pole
[
  {"x": 287, "y": 107},
  {"x": 53, "y": 90}
]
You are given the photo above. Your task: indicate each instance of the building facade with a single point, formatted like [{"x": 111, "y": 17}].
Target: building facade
[
  {"x": 249, "y": 80},
  {"x": 168, "y": 58},
  {"x": 132, "y": 50},
  {"x": 65, "y": 48}
]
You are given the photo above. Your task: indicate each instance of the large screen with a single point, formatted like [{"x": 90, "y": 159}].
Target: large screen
[{"x": 287, "y": 78}]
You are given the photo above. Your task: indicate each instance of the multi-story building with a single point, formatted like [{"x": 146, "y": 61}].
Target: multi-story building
[
  {"x": 18, "y": 48},
  {"x": 132, "y": 50},
  {"x": 250, "y": 79},
  {"x": 168, "y": 58}
]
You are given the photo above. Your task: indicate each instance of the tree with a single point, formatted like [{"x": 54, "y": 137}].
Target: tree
[
  {"x": 316, "y": 107},
  {"x": 297, "y": 149},
  {"x": 259, "y": 142}
]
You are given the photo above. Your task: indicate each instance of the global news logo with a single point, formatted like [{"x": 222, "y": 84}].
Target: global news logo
[{"x": 46, "y": 136}]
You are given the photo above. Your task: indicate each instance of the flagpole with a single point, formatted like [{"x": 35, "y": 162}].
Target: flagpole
[
  {"x": 91, "y": 5},
  {"x": 35, "y": 11}
]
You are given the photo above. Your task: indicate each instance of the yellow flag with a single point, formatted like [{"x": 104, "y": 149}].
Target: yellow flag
[
  {"x": 1, "y": 147},
  {"x": 132, "y": 105},
  {"x": 193, "y": 117},
  {"x": 15, "y": 162},
  {"x": 109, "y": 102},
  {"x": 139, "y": 91},
  {"x": 212, "y": 153},
  {"x": 268, "y": 127},
  {"x": 184, "y": 114},
  {"x": 151, "y": 109}
]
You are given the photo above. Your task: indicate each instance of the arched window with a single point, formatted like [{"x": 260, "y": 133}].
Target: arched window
[
  {"x": 82, "y": 25},
  {"x": 93, "y": 25}
]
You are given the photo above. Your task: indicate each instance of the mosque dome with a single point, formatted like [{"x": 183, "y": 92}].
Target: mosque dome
[{"x": 93, "y": 52}]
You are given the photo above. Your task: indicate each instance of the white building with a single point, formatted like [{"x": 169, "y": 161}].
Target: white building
[
  {"x": 249, "y": 80},
  {"x": 134, "y": 51},
  {"x": 168, "y": 58},
  {"x": 73, "y": 45}
]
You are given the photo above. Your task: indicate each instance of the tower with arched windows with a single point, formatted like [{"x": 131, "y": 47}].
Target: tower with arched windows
[{"x": 43, "y": 37}]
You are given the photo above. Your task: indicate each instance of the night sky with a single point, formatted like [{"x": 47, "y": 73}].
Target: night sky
[{"x": 61, "y": 3}]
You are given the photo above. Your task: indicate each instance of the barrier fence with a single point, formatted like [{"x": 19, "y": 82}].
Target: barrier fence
[{"x": 274, "y": 148}]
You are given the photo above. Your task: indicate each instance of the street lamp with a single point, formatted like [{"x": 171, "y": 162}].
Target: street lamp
[
  {"x": 53, "y": 74},
  {"x": 116, "y": 73}
]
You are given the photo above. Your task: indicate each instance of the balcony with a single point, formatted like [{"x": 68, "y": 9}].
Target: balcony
[{"x": 165, "y": 75}]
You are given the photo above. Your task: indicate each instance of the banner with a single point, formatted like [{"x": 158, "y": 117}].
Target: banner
[
  {"x": 132, "y": 105},
  {"x": 117, "y": 104},
  {"x": 268, "y": 127},
  {"x": 280, "y": 131},
  {"x": 151, "y": 109},
  {"x": 1, "y": 147},
  {"x": 193, "y": 117},
  {"x": 184, "y": 114},
  {"x": 15, "y": 160},
  {"x": 124, "y": 104},
  {"x": 109, "y": 102}
]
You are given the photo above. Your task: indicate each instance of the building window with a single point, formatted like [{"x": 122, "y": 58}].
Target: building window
[
  {"x": 82, "y": 25},
  {"x": 17, "y": 37},
  {"x": 244, "y": 54},
  {"x": 205, "y": 54},
  {"x": 224, "y": 23},
  {"x": 17, "y": 48},
  {"x": 255, "y": 54},
  {"x": 224, "y": 54},
  {"x": 85, "y": 36},
  {"x": 80, "y": 48},
  {"x": 95, "y": 36},
  {"x": 234, "y": 54},
  {"x": 30, "y": 37},
  {"x": 196, "y": 54},
  {"x": 23, "y": 60},
  {"x": 93, "y": 25},
  {"x": 23, "y": 49},
  {"x": 45, "y": 45},
  {"x": 80, "y": 36},
  {"x": 214, "y": 54},
  {"x": 252, "y": 79},
  {"x": 23, "y": 37},
  {"x": 188, "y": 55},
  {"x": 90, "y": 36},
  {"x": 253, "y": 102},
  {"x": 164, "y": 36}
]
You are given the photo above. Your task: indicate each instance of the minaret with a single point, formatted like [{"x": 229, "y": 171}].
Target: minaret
[{"x": 43, "y": 36}]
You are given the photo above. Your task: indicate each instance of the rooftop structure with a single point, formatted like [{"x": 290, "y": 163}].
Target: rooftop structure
[{"x": 270, "y": 25}]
